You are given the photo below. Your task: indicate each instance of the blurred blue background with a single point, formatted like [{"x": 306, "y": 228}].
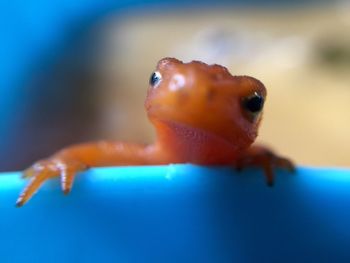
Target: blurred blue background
[{"x": 50, "y": 76}]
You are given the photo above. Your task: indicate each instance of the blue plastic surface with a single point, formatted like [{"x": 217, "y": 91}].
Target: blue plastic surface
[{"x": 180, "y": 213}]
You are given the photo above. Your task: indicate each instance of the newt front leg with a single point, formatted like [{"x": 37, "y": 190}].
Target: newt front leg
[
  {"x": 263, "y": 157},
  {"x": 72, "y": 160}
]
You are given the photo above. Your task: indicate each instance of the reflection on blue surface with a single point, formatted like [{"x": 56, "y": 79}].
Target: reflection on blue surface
[{"x": 180, "y": 213}]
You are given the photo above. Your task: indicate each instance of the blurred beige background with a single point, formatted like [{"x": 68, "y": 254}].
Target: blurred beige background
[{"x": 301, "y": 55}]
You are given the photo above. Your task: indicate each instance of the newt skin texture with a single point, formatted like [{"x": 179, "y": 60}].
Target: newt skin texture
[{"x": 202, "y": 115}]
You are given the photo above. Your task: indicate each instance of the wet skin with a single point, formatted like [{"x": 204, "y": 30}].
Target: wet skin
[{"x": 202, "y": 115}]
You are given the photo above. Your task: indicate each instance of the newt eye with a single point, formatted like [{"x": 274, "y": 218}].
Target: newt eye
[
  {"x": 155, "y": 78},
  {"x": 254, "y": 103}
]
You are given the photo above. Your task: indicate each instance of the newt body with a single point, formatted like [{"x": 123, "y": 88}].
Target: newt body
[{"x": 202, "y": 115}]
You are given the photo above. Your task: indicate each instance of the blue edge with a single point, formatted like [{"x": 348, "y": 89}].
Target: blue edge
[{"x": 180, "y": 213}]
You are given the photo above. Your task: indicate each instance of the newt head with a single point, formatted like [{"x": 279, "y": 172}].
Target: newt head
[{"x": 207, "y": 98}]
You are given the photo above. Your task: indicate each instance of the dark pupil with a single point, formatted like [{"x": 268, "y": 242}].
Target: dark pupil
[
  {"x": 254, "y": 104},
  {"x": 154, "y": 79}
]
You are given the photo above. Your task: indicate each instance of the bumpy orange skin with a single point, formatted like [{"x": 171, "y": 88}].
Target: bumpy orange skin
[{"x": 199, "y": 118}]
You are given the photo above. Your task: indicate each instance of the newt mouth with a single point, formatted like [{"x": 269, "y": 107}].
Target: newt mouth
[{"x": 218, "y": 128}]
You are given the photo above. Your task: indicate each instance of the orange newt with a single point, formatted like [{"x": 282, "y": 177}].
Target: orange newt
[{"x": 202, "y": 115}]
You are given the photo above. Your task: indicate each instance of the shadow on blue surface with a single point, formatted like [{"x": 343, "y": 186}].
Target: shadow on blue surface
[{"x": 180, "y": 213}]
